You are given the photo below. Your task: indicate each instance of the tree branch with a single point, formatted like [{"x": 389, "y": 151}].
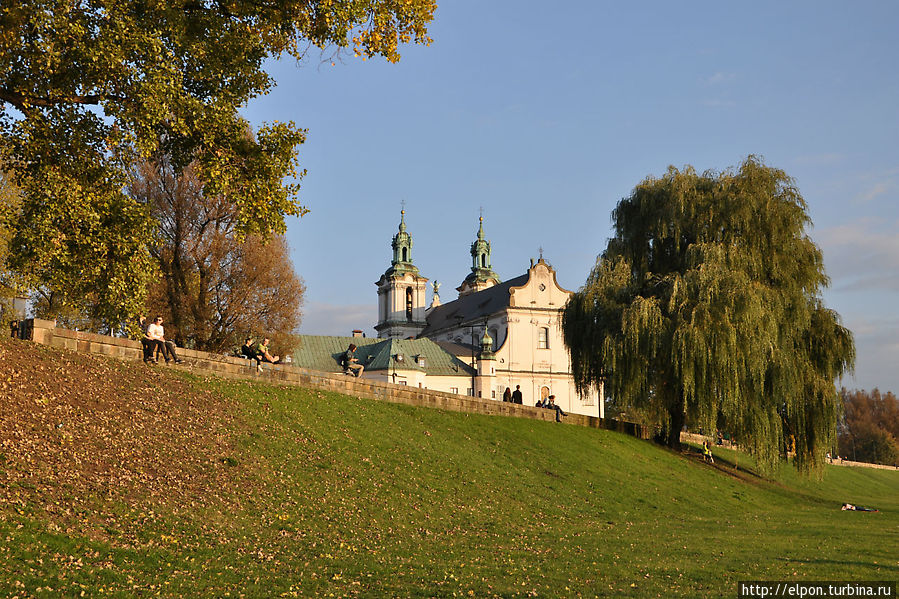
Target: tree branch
[{"x": 23, "y": 101}]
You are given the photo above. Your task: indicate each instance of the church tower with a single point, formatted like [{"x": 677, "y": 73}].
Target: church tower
[
  {"x": 401, "y": 291},
  {"x": 482, "y": 275}
]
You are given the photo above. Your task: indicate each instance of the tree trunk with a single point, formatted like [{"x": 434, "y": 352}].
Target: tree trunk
[{"x": 675, "y": 424}]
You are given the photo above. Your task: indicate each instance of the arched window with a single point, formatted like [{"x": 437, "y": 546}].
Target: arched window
[
  {"x": 544, "y": 393},
  {"x": 483, "y": 260},
  {"x": 408, "y": 302},
  {"x": 543, "y": 338},
  {"x": 405, "y": 254}
]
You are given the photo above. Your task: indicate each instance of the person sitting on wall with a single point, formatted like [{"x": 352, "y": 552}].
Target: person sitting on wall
[
  {"x": 156, "y": 333},
  {"x": 350, "y": 363},
  {"x": 248, "y": 351},
  {"x": 149, "y": 345},
  {"x": 551, "y": 405},
  {"x": 507, "y": 395},
  {"x": 262, "y": 352}
]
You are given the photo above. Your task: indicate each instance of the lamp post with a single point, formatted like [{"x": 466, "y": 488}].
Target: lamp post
[
  {"x": 470, "y": 328},
  {"x": 396, "y": 358}
]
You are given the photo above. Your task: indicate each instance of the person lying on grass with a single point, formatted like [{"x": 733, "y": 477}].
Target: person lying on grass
[{"x": 857, "y": 508}]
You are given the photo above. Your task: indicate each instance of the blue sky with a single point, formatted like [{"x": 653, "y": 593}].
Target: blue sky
[{"x": 547, "y": 115}]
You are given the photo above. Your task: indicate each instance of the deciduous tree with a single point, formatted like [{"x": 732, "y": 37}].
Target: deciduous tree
[
  {"x": 215, "y": 286},
  {"x": 12, "y": 284},
  {"x": 705, "y": 309},
  {"x": 88, "y": 86},
  {"x": 869, "y": 430}
]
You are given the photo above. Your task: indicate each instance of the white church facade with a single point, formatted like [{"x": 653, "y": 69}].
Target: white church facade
[
  {"x": 495, "y": 335},
  {"x": 509, "y": 333}
]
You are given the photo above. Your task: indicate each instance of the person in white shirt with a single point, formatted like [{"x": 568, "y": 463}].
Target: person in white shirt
[{"x": 156, "y": 332}]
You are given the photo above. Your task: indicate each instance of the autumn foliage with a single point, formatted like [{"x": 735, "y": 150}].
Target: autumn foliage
[
  {"x": 869, "y": 431},
  {"x": 87, "y": 88},
  {"x": 216, "y": 287}
]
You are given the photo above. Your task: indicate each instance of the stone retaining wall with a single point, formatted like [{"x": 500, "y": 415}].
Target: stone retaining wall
[
  {"x": 839, "y": 462},
  {"x": 45, "y": 332},
  {"x": 698, "y": 439}
]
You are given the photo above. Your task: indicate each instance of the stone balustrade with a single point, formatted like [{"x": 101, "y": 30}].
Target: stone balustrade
[{"x": 45, "y": 332}]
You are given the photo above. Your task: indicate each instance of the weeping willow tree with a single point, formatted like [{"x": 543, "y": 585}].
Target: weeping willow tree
[{"x": 705, "y": 309}]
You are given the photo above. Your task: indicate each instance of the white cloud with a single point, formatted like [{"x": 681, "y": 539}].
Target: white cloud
[
  {"x": 877, "y": 349},
  {"x": 861, "y": 256},
  {"x": 719, "y": 78},
  {"x": 877, "y": 190}
]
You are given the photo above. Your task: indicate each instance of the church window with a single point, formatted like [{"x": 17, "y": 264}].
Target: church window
[
  {"x": 408, "y": 303},
  {"x": 405, "y": 255},
  {"x": 454, "y": 390},
  {"x": 544, "y": 393},
  {"x": 543, "y": 338},
  {"x": 483, "y": 260}
]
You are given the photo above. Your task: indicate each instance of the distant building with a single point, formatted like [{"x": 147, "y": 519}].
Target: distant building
[{"x": 493, "y": 336}]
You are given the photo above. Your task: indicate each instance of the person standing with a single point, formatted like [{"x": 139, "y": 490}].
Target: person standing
[
  {"x": 707, "y": 453},
  {"x": 507, "y": 395},
  {"x": 516, "y": 395}
]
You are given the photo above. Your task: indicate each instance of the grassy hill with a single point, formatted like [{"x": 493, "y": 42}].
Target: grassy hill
[{"x": 118, "y": 479}]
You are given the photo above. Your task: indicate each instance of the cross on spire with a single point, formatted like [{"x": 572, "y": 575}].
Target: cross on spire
[{"x": 540, "y": 249}]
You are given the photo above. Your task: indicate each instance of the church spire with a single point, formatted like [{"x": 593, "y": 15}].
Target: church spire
[
  {"x": 482, "y": 275},
  {"x": 402, "y": 249},
  {"x": 480, "y": 252},
  {"x": 401, "y": 291}
]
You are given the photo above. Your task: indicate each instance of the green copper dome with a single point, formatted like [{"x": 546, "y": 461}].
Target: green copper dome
[
  {"x": 481, "y": 270},
  {"x": 402, "y": 250}
]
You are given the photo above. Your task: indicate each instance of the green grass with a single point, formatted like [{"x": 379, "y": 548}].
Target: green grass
[{"x": 327, "y": 495}]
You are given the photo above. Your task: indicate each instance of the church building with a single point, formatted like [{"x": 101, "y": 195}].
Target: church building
[{"x": 494, "y": 335}]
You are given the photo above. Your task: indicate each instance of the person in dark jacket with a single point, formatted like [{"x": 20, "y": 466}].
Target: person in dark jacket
[
  {"x": 516, "y": 395},
  {"x": 350, "y": 363},
  {"x": 247, "y": 350},
  {"x": 551, "y": 405},
  {"x": 507, "y": 395}
]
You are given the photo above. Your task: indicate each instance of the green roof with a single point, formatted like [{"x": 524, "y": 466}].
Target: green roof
[{"x": 319, "y": 352}]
